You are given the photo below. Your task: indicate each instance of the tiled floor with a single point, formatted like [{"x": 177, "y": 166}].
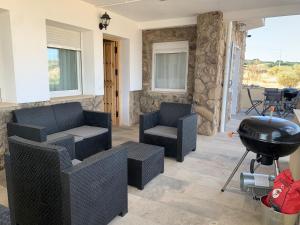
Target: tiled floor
[{"x": 188, "y": 193}]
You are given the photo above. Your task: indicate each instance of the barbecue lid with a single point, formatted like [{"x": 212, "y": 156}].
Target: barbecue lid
[
  {"x": 270, "y": 129},
  {"x": 290, "y": 90}
]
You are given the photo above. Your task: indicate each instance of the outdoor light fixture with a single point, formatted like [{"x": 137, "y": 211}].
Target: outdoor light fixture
[{"x": 105, "y": 19}]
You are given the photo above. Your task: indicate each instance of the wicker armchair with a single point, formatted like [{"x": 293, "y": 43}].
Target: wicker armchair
[
  {"x": 174, "y": 127},
  {"x": 45, "y": 188}
]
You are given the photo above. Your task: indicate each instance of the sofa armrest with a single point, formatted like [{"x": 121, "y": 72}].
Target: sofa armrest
[
  {"x": 30, "y": 132},
  {"x": 187, "y": 133},
  {"x": 98, "y": 119},
  {"x": 147, "y": 121},
  {"x": 96, "y": 185},
  {"x": 68, "y": 142}
]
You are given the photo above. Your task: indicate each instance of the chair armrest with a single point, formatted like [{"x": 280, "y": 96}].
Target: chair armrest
[
  {"x": 147, "y": 121},
  {"x": 187, "y": 126},
  {"x": 187, "y": 132},
  {"x": 30, "y": 132},
  {"x": 99, "y": 119},
  {"x": 96, "y": 185},
  {"x": 68, "y": 142}
]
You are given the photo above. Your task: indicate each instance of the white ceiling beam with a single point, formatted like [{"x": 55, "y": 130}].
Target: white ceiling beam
[
  {"x": 254, "y": 23},
  {"x": 177, "y": 22},
  {"x": 246, "y": 16},
  {"x": 284, "y": 10}
]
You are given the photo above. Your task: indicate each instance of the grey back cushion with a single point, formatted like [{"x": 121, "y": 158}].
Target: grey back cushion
[
  {"x": 68, "y": 115},
  {"x": 170, "y": 113},
  {"x": 38, "y": 116},
  {"x": 36, "y": 181}
]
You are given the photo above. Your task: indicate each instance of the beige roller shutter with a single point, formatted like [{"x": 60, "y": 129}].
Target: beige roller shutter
[{"x": 63, "y": 38}]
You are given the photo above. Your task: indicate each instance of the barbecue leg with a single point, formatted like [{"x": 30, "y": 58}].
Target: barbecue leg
[{"x": 235, "y": 169}]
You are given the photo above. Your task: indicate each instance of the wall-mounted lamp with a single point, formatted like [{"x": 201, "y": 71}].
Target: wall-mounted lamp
[{"x": 105, "y": 19}]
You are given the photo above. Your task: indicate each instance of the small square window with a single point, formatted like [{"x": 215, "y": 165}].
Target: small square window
[
  {"x": 64, "y": 67},
  {"x": 170, "y": 66}
]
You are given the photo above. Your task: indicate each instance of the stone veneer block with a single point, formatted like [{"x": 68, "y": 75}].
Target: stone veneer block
[
  {"x": 209, "y": 69},
  {"x": 135, "y": 106}
]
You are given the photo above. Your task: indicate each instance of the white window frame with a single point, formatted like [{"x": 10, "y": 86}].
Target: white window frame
[
  {"x": 170, "y": 47},
  {"x": 56, "y": 94}
]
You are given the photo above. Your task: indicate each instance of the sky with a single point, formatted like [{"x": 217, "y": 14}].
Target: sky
[{"x": 278, "y": 39}]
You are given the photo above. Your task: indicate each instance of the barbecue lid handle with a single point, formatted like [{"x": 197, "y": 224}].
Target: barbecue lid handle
[{"x": 231, "y": 134}]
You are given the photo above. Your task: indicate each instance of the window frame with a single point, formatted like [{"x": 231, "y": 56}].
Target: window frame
[
  {"x": 168, "y": 48},
  {"x": 78, "y": 91}
]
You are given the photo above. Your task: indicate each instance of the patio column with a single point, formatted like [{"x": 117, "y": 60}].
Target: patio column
[{"x": 209, "y": 71}]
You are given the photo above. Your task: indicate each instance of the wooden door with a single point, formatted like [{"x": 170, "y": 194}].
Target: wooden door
[{"x": 111, "y": 81}]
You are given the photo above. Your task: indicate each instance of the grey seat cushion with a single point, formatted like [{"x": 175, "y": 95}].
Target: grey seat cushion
[
  {"x": 54, "y": 136},
  {"x": 86, "y": 131},
  {"x": 163, "y": 131},
  {"x": 75, "y": 162}
]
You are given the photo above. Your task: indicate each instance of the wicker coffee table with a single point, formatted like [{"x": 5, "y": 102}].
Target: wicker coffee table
[{"x": 144, "y": 163}]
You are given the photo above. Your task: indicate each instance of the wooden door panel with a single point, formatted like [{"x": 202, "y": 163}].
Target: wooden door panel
[{"x": 111, "y": 84}]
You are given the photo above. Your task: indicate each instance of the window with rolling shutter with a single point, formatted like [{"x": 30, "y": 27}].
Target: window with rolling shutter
[
  {"x": 170, "y": 66},
  {"x": 64, "y": 61}
]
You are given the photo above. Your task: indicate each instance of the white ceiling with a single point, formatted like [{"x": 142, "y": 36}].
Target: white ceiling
[{"x": 148, "y": 10}]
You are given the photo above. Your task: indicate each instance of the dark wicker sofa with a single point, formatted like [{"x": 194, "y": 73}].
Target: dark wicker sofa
[
  {"x": 174, "y": 127},
  {"x": 45, "y": 188},
  {"x": 91, "y": 131}
]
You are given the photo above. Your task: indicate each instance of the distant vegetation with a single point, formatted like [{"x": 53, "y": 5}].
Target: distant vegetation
[
  {"x": 277, "y": 74},
  {"x": 54, "y": 74}
]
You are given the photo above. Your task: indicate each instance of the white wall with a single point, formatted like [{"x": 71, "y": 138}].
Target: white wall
[
  {"x": 29, "y": 41},
  {"x": 85, "y": 16},
  {"x": 275, "y": 11},
  {"x": 92, "y": 80},
  {"x": 124, "y": 81},
  {"x": 176, "y": 22},
  {"x": 29, "y": 44},
  {"x": 129, "y": 35},
  {"x": 7, "y": 81},
  {"x": 125, "y": 28}
]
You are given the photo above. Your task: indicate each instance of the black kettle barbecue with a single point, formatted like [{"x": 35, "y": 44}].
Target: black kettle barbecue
[
  {"x": 290, "y": 93},
  {"x": 270, "y": 138}
]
